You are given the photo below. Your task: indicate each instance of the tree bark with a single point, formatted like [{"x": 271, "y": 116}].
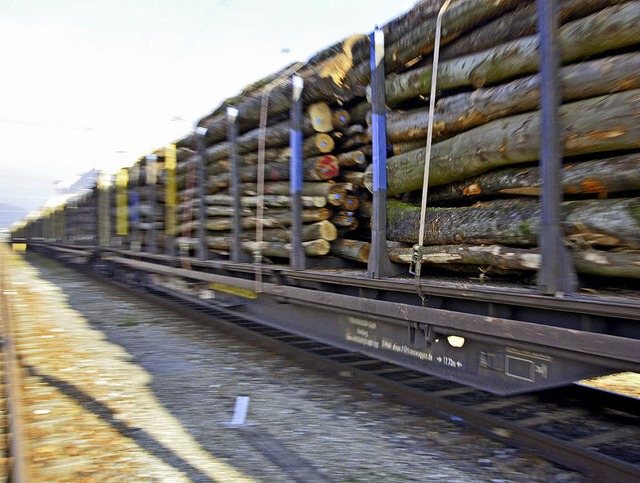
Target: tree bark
[
  {"x": 274, "y": 201},
  {"x": 271, "y": 220},
  {"x": 599, "y": 177},
  {"x": 358, "y": 113},
  {"x": 517, "y": 222},
  {"x": 460, "y": 17},
  {"x": 592, "y": 262},
  {"x": 357, "y": 178},
  {"x": 352, "y": 159},
  {"x": 324, "y": 230},
  {"x": 313, "y": 248},
  {"x": 340, "y": 118},
  {"x": 518, "y": 23},
  {"x": 607, "y": 30},
  {"x": 353, "y": 141},
  {"x": 276, "y": 136},
  {"x": 351, "y": 250},
  {"x": 464, "y": 111},
  {"x": 317, "y": 144},
  {"x": 270, "y": 154},
  {"x": 227, "y": 211},
  {"x": 333, "y": 192},
  {"x": 595, "y": 125},
  {"x": 345, "y": 219},
  {"x": 319, "y": 168}
]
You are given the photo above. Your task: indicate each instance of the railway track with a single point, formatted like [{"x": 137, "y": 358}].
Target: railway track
[{"x": 591, "y": 431}]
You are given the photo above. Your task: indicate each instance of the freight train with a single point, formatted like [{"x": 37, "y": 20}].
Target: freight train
[{"x": 302, "y": 202}]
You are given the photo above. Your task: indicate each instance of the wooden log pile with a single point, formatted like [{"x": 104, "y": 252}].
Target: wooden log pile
[
  {"x": 329, "y": 146},
  {"x": 145, "y": 206},
  {"x": 484, "y": 179}
]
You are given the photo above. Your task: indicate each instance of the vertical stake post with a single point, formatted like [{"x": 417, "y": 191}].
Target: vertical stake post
[
  {"x": 134, "y": 212},
  {"x": 122, "y": 208},
  {"x": 201, "y": 183},
  {"x": 151, "y": 178},
  {"x": 104, "y": 211},
  {"x": 170, "y": 199},
  {"x": 298, "y": 258},
  {"x": 379, "y": 265},
  {"x": 557, "y": 274},
  {"x": 235, "y": 185}
]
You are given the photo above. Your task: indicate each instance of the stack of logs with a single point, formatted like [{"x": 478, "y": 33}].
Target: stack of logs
[
  {"x": 484, "y": 210},
  {"x": 145, "y": 203}
]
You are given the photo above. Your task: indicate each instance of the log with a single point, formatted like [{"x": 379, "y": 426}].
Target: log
[
  {"x": 464, "y": 111},
  {"x": 600, "y": 124},
  {"x": 313, "y": 169},
  {"x": 459, "y": 18},
  {"x": 276, "y": 136},
  {"x": 314, "y": 248},
  {"x": 324, "y": 230},
  {"x": 317, "y": 144},
  {"x": 590, "y": 262},
  {"x": 340, "y": 118},
  {"x": 519, "y": 23},
  {"x": 218, "y": 167},
  {"x": 275, "y": 201},
  {"x": 271, "y": 219},
  {"x": 270, "y": 154},
  {"x": 400, "y": 148},
  {"x": 333, "y": 192},
  {"x": 517, "y": 222},
  {"x": 227, "y": 211},
  {"x": 354, "y": 141},
  {"x": 183, "y": 154},
  {"x": 358, "y": 113},
  {"x": 216, "y": 242},
  {"x": 351, "y": 203},
  {"x": 366, "y": 208},
  {"x": 352, "y": 159},
  {"x": 345, "y": 219},
  {"x": 351, "y": 249},
  {"x": 598, "y": 177},
  {"x": 322, "y": 80},
  {"x": 610, "y": 29},
  {"x": 321, "y": 117},
  {"x": 356, "y": 178}
]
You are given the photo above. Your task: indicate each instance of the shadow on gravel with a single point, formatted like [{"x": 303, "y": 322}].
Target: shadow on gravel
[{"x": 141, "y": 437}]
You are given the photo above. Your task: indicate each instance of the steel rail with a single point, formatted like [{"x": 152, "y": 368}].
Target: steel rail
[
  {"x": 415, "y": 388},
  {"x": 329, "y": 359}
]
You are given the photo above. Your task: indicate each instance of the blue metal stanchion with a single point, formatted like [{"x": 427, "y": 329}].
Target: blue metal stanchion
[
  {"x": 298, "y": 258},
  {"x": 379, "y": 265},
  {"x": 235, "y": 186},
  {"x": 557, "y": 274}
]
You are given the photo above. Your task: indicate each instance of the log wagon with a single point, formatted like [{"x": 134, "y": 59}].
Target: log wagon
[{"x": 457, "y": 193}]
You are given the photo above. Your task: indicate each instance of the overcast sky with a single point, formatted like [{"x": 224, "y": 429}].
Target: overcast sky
[{"x": 100, "y": 83}]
